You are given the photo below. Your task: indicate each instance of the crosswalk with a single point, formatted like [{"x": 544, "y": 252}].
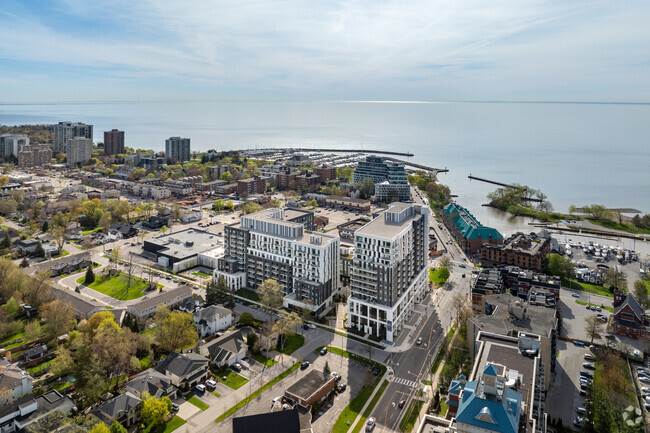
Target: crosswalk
[{"x": 402, "y": 381}]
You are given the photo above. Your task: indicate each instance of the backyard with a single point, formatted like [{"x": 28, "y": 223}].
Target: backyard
[
  {"x": 232, "y": 379},
  {"x": 116, "y": 286}
]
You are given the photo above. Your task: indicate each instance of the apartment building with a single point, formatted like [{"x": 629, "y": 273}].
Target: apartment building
[
  {"x": 252, "y": 185},
  {"x": 389, "y": 178},
  {"x": 274, "y": 243},
  {"x": 177, "y": 149},
  {"x": 524, "y": 251},
  {"x": 470, "y": 234},
  {"x": 389, "y": 271},
  {"x": 34, "y": 155},
  {"x": 113, "y": 142},
  {"x": 79, "y": 150},
  {"x": 65, "y": 131},
  {"x": 11, "y": 144}
]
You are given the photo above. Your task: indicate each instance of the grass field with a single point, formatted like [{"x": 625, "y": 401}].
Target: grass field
[
  {"x": 262, "y": 360},
  {"x": 115, "y": 287},
  {"x": 215, "y": 393},
  {"x": 233, "y": 380},
  {"x": 198, "y": 403},
  {"x": 293, "y": 343},
  {"x": 575, "y": 285},
  {"x": 604, "y": 307},
  {"x": 443, "y": 407},
  {"x": 248, "y": 294},
  {"x": 175, "y": 423},
  {"x": 436, "y": 277},
  {"x": 371, "y": 406},
  {"x": 201, "y": 274}
]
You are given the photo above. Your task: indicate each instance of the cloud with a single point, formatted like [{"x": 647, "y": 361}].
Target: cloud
[{"x": 362, "y": 48}]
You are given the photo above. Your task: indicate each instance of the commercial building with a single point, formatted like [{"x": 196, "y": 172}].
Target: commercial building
[
  {"x": 177, "y": 149},
  {"x": 113, "y": 142},
  {"x": 389, "y": 271},
  {"x": 524, "y": 251},
  {"x": 181, "y": 250},
  {"x": 34, "y": 155},
  {"x": 534, "y": 326},
  {"x": 313, "y": 387},
  {"x": 284, "y": 421},
  {"x": 325, "y": 172},
  {"x": 65, "y": 131},
  {"x": 356, "y": 204},
  {"x": 468, "y": 232},
  {"x": 253, "y": 185},
  {"x": 274, "y": 243},
  {"x": 11, "y": 144},
  {"x": 390, "y": 175},
  {"x": 79, "y": 150}
]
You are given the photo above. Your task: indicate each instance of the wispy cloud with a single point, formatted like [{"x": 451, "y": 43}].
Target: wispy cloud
[{"x": 360, "y": 48}]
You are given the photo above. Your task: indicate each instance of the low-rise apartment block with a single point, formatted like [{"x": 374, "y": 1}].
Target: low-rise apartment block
[
  {"x": 524, "y": 251},
  {"x": 467, "y": 231}
]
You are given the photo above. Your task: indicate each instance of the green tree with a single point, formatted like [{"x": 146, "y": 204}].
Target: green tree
[
  {"x": 367, "y": 188},
  {"x": 641, "y": 294},
  {"x": 252, "y": 340},
  {"x": 39, "y": 251},
  {"x": 615, "y": 277},
  {"x": 218, "y": 205},
  {"x": 443, "y": 271},
  {"x": 598, "y": 212},
  {"x": 24, "y": 263},
  {"x": 44, "y": 227},
  {"x": 271, "y": 296},
  {"x": 250, "y": 207},
  {"x": 116, "y": 427},
  {"x": 230, "y": 205},
  {"x": 247, "y": 319},
  {"x": 59, "y": 318},
  {"x": 90, "y": 275},
  {"x": 174, "y": 330},
  {"x": 99, "y": 428},
  {"x": 286, "y": 325},
  {"x": 226, "y": 176},
  {"x": 154, "y": 411},
  {"x": 326, "y": 369},
  {"x": 560, "y": 266},
  {"x": 217, "y": 292},
  {"x": 276, "y": 202}
]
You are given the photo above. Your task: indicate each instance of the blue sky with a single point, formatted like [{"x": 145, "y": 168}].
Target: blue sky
[{"x": 75, "y": 50}]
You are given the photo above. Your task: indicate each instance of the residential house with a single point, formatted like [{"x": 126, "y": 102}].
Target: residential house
[
  {"x": 35, "y": 352},
  {"x": 212, "y": 319},
  {"x": 126, "y": 230},
  {"x": 20, "y": 414},
  {"x": 64, "y": 265},
  {"x": 185, "y": 370},
  {"x": 155, "y": 383},
  {"x": 125, "y": 409},
  {"x": 146, "y": 306},
  {"x": 189, "y": 305},
  {"x": 15, "y": 381},
  {"x": 225, "y": 350}
]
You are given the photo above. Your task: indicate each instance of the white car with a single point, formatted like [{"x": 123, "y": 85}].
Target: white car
[
  {"x": 200, "y": 388},
  {"x": 211, "y": 384},
  {"x": 370, "y": 424}
]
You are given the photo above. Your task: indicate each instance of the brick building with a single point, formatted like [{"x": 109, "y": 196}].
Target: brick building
[
  {"x": 113, "y": 142},
  {"x": 524, "y": 251},
  {"x": 629, "y": 318},
  {"x": 313, "y": 387},
  {"x": 326, "y": 173},
  {"x": 467, "y": 230},
  {"x": 253, "y": 185}
]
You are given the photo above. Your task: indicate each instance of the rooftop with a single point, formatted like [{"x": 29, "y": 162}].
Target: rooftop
[
  {"x": 510, "y": 313},
  {"x": 286, "y": 421},
  {"x": 309, "y": 384},
  {"x": 468, "y": 225},
  {"x": 186, "y": 243},
  {"x": 522, "y": 243},
  {"x": 386, "y": 227}
]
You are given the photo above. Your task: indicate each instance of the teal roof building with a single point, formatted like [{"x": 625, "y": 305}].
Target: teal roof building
[{"x": 467, "y": 230}]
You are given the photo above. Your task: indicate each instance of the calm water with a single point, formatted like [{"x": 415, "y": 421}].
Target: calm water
[{"x": 575, "y": 153}]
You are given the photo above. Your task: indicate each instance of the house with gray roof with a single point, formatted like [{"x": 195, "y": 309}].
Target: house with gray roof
[
  {"x": 146, "y": 306},
  {"x": 212, "y": 319},
  {"x": 125, "y": 409},
  {"x": 153, "y": 382},
  {"x": 225, "y": 350},
  {"x": 28, "y": 410},
  {"x": 184, "y": 370},
  {"x": 629, "y": 318},
  {"x": 83, "y": 306},
  {"x": 15, "y": 381}
]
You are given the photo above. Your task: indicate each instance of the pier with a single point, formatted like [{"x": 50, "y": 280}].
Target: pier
[
  {"x": 306, "y": 149},
  {"x": 505, "y": 185}
]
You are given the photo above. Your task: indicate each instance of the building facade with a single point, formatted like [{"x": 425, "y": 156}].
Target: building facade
[
  {"x": 113, "y": 142},
  {"x": 274, "y": 243},
  {"x": 524, "y": 251},
  {"x": 467, "y": 231},
  {"x": 253, "y": 185},
  {"x": 629, "y": 318},
  {"x": 34, "y": 155},
  {"x": 79, "y": 150},
  {"x": 390, "y": 175},
  {"x": 177, "y": 149},
  {"x": 65, "y": 131},
  {"x": 12, "y": 144},
  {"x": 389, "y": 271}
]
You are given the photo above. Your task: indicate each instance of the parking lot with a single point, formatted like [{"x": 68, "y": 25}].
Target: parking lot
[
  {"x": 563, "y": 396},
  {"x": 574, "y": 314}
]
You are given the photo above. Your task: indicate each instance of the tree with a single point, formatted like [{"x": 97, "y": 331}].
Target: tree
[
  {"x": 33, "y": 331},
  {"x": 367, "y": 188},
  {"x": 58, "y": 233},
  {"x": 286, "y": 326},
  {"x": 154, "y": 411},
  {"x": 616, "y": 278},
  {"x": 641, "y": 294},
  {"x": 39, "y": 251},
  {"x": 116, "y": 256},
  {"x": 90, "y": 275},
  {"x": 163, "y": 230},
  {"x": 226, "y": 176},
  {"x": 560, "y": 266},
  {"x": 44, "y": 227},
  {"x": 247, "y": 319},
  {"x": 116, "y": 427},
  {"x": 24, "y": 263},
  {"x": 99, "y": 428},
  {"x": 253, "y": 342},
  {"x": 326, "y": 369},
  {"x": 218, "y": 205},
  {"x": 230, "y": 205},
  {"x": 443, "y": 272},
  {"x": 276, "y": 202},
  {"x": 459, "y": 303},
  {"x": 12, "y": 308},
  {"x": 445, "y": 261},
  {"x": 250, "y": 207},
  {"x": 174, "y": 330},
  {"x": 59, "y": 318},
  {"x": 598, "y": 212},
  {"x": 270, "y": 293},
  {"x": 593, "y": 327},
  {"x": 217, "y": 293},
  {"x": 114, "y": 348}
]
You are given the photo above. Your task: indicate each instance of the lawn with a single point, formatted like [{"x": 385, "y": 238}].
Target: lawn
[
  {"x": 436, "y": 277},
  {"x": 373, "y": 403},
  {"x": 145, "y": 362},
  {"x": 248, "y": 294},
  {"x": 262, "y": 360},
  {"x": 575, "y": 285},
  {"x": 411, "y": 417},
  {"x": 115, "y": 287},
  {"x": 442, "y": 350},
  {"x": 13, "y": 339},
  {"x": 233, "y": 380},
  {"x": 443, "y": 407},
  {"x": 89, "y": 232},
  {"x": 201, "y": 274},
  {"x": 215, "y": 393},
  {"x": 256, "y": 393},
  {"x": 198, "y": 403},
  {"x": 293, "y": 343},
  {"x": 63, "y": 253},
  {"x": 175, "y": 423},
  {"x": 604, "y": 307}
]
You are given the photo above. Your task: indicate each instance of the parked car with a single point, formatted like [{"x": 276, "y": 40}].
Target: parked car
[
  {"x": 586, "y": 373},
  {"x": 581, "y": 411},
  {"x": 175, "y": 407},
  {"x": 589, "y": 357},
  {"x": 200, "y": 388},
  {"x": 211, "y": 384},
  {"x": 376, "y": 371},
  {"x": 589, "y": 365},
  {"x": 370, "y": 424},
  {"x": 236, "y": 366},
  {"x": 578, "y": 421},
  {"x": 304, "y": 365},
  {"x": 341, "y": 387},
  {"x": 336, "y": 376}
]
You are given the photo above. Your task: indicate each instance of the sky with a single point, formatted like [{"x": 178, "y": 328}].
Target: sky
[{"x": 415, "y": 50}]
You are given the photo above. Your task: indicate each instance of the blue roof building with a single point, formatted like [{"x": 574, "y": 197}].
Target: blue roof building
[
  {"x": 488, "y": 404},
  {"x": 467, "y": 230}
]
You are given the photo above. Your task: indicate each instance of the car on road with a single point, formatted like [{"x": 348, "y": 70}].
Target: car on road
[
  {"x": 575, "y": 295},
  {"x": 578, "y": 421},
  {"x": 401, "y": 404},
  {"x": 370, "y": 424},
  {"x": 418, "y": 341},
  {"x": 304, "y": 365},
  {"x": 462, "y": 265},
  {"x": 175, "y": 280},
  {"x": 323, "y": 351}
]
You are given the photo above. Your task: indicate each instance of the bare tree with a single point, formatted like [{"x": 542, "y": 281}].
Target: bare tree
[
  {"x": 270, "y": 293},
  {"x": 58, "y": 233},
  {"x": 445, "y": 261},
  {"x": 593, "y": 327}
]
